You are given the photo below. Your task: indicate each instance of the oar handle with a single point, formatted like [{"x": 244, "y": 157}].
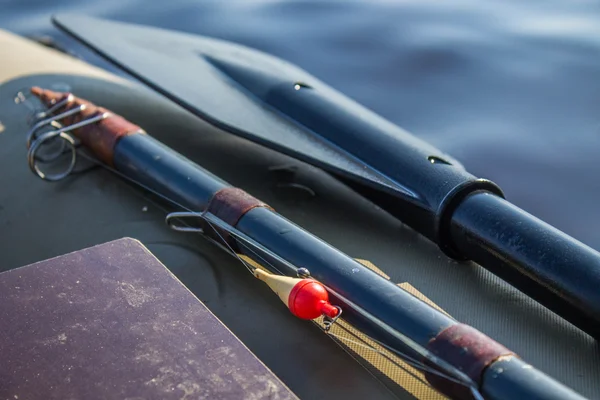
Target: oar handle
[{"x": 558, "y": 271}]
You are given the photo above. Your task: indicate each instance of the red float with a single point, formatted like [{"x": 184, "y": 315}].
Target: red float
[{"x": 306, "y": 298}]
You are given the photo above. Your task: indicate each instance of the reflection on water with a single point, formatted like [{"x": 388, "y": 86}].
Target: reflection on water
[{"x": 510, "y": 88}]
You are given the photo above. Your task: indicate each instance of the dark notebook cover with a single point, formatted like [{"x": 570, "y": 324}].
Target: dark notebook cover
[{"x": 111, "y": 322}]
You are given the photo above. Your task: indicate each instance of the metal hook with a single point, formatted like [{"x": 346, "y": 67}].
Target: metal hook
[
  {"x": 183, "y": 215},
  {"x": 328, "y": 322},
  {"x": 32, "y": 161},
  {"x": 46, "y": 158},
  {"x": 55, "y": 107},
  {"x": 31, "y": 135},
  {"x": 35, "y": 140}
]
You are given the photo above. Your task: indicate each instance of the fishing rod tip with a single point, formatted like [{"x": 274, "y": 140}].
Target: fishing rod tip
[
  {"x": 36, "y": 91},
  {"x": 48, "y": 97}
]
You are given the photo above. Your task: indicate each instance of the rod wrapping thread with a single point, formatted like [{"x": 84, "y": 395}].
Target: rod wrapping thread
[
  {"x": 100, "y": 137},
  {"x": 468, "y": 350},
  {"x": 230, "y": 204}
]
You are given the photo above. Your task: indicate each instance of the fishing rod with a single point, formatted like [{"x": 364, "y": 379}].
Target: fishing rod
[
  {"x": 458, "y": 360},
  {"x": 278, "y": 105}
]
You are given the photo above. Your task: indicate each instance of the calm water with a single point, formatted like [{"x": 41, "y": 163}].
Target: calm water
[{"x": 510, "y": 88}]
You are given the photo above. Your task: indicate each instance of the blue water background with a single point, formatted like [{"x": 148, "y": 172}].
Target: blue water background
[{"x": 510, "y": 88}]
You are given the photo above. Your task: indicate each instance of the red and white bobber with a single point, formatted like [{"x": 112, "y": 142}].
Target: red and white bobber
[{"x": 306, "y": 298}]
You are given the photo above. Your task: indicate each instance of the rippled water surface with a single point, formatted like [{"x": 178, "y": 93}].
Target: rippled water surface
[{"x": 510, "y": 88}]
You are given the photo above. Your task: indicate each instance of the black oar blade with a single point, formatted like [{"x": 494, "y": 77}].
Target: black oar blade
[{"x": 227, "y": 85}]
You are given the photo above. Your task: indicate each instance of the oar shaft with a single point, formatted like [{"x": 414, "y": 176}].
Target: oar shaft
[
  {"x": 538, "y": 259},
  {"x": 512, "y": 378}
]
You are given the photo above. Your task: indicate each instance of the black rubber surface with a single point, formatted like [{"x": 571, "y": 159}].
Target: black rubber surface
[{"x": 39, "y": 220}]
